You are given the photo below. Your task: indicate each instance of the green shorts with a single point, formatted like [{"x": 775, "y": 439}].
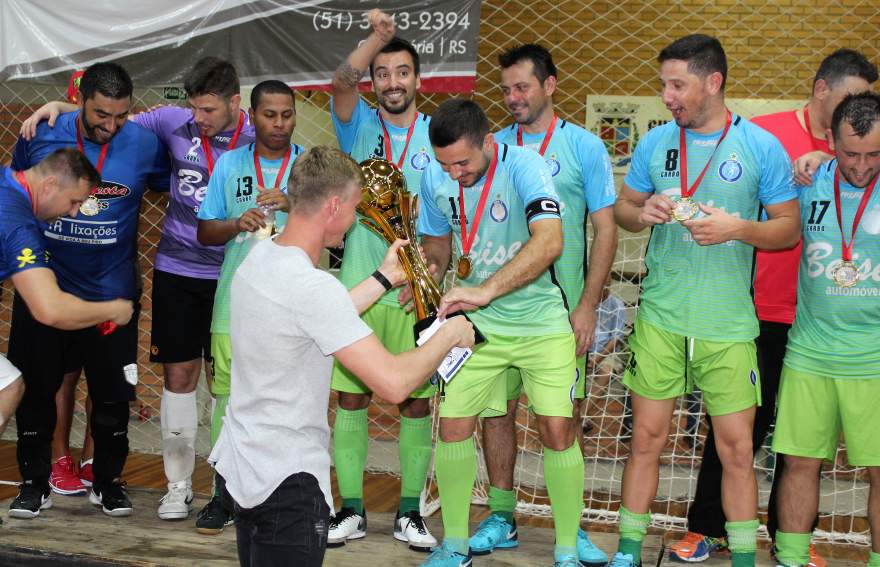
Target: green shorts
[
  {"x": 394, "y": 328},
  {"x": 814, "y": 409},
  {"x": 481, "y": 387},
  {"x": 666, "y": 365},
  {"x": 221, "y": 352},
  {"x": 579, "y": 390}
]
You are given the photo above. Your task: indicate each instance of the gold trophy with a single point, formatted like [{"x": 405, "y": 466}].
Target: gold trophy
[{"x": 390, "y": 211}]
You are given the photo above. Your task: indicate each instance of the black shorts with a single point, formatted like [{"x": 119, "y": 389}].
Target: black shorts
[
  {"x": 45, "y": 354},
  {"x": 182, "y": 308}
]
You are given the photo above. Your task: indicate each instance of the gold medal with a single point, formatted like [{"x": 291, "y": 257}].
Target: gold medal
[
  {"x": 90, "y": 207},
  {"x": 845, "y": 274},
  {"x": 464, "y": 268},
  {"x": 684, "y": 209}
]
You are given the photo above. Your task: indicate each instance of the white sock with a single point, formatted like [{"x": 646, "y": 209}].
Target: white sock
[{"x": 179, "y": 419}]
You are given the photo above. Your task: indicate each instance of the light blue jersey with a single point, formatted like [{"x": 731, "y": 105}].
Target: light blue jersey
[
  {"x": 362, "y": 137},
  {"x": 705, "y": 291},
  {"x": 232, "y": 191},
  {"x": 522, "y": 192},
  {"x": 584, "y": 180},
  {"x": 835, "y": 331}
]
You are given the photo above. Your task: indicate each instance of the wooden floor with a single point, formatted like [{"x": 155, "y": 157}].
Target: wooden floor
[{"x": 150, "y": 541}]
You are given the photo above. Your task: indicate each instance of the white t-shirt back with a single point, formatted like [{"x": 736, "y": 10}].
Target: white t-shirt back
[{"x": 287, "y": 320}]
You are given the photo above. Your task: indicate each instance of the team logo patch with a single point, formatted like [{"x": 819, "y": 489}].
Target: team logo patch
[
  {"x": 498, "y": 210},
  {"x": 420, "y": 160},
  {"x": 154, "y": 350},
  {"x": 753, "y": 378},
  {"x": 730, "y": 169},
  {"x": 26, "y": 257},
  {"x": 553, "y": 165}
]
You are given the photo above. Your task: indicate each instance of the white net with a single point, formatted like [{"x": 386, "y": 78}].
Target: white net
[{"x": 605, "y": 53}]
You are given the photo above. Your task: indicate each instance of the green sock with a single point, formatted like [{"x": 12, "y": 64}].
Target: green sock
[
  {"x": 793, "y": 548},
  {"x": 350, "y": 437},
  {"x": 633, "y": 528},
  {"x": 220, "y": 402},
  {"x": 874, "y": 559},
  {"x": 415, "y": 458},
  {"x": 502, "y": 502},
  {"x": 564, "y": 475},
  {"x": 742, "y": 539},
  {"x": 456, "y": 465}
]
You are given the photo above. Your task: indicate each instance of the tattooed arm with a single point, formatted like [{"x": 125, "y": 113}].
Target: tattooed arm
[{"x": 350, "y": 72}]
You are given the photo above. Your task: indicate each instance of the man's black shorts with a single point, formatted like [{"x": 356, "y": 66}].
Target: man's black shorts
[
  {"x": 182, "y": 308},
  {"x": 45, "y": 354}
]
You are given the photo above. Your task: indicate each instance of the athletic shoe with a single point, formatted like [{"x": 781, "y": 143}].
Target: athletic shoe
[
  {"x": 445, "y": 556},
  {"x": 588, "y": 554},
  {"x": 695, "y": 548},
  {"x": 494, "y": 532},
  {"x": 177, "y": 502},
  {"x": 111, "y": 498},
  {"x": 30, "y": 500},
  {"x": 412, "y": 529},
  {"x": 85, "y": 472},
  {"x": 816, "y": 560},
  {"x": 621, "y": 560},
  {"x": 213, "y": 517},
  {"x": 65, "y": 477},
  {"x": 568, "y": 561},
  {"x": 348, "y": 524}
]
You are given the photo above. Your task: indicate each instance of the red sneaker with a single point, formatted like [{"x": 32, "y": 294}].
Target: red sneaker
[
  {"x": 65, "y": 478},
  {"x": 85, "y": 472}
]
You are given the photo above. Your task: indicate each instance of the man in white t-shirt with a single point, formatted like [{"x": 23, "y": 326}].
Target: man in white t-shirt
[{"x": 289, "y": 320}]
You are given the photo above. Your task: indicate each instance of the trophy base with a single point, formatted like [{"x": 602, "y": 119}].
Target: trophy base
[{"x": 423, "y": 324}]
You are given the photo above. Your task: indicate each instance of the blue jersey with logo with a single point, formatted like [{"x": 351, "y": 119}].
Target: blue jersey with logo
[
  {"x": 94, "y": 256},
  {"x": 705, "y": 291},
  {"x": 521, "y": 193},
  {"x": 584, "y": 180},
  {"x": 362, "y": 138},
  {"x": 21, "y": 237}
]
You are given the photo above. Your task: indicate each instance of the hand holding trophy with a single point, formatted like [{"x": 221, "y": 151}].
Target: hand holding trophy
[{"x": 390, "y": 211}]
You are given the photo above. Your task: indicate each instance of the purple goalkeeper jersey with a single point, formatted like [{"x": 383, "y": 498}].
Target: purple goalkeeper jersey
[{"x": 179, "y": 250}]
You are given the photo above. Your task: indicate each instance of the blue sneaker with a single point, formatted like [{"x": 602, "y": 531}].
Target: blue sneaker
[
  {"x": 494, "y": 532},
  {"x": 588, "y": 554},
  {"x": 444, "y": 556},
  {"x": 567, "y": 561},
  {"x": 621, "y": 560}
]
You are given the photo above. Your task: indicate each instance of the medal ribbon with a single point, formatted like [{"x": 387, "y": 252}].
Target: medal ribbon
[
  {"x": 19, "y": 176},
  {"x": 206, "y": 143},
  {"x": 846, "y": 249},
  {"x": 259, "y": 169},
  {"x": 387, "y": 140},
  {"x": 82, "y": 149},
  {"x": 467, "y": 239},
  {"x": 547, "y": 136},
  {"x": 682, "y": 169}
]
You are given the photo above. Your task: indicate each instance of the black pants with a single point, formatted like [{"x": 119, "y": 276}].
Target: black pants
[
  {"x": 44, "y": 355},
  {"x": 288, "y": 528},
  {"x": 706, "y": 515}
]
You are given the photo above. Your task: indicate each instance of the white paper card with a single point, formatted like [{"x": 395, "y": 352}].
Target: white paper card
[{"x": 454, "y": 360}]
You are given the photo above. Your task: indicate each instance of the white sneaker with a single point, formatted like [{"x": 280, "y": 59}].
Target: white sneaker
[
  {"x": 345, "y": 525},
  {"x": 412, "y": 529},
  {"x": 177, "y": 502}
]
